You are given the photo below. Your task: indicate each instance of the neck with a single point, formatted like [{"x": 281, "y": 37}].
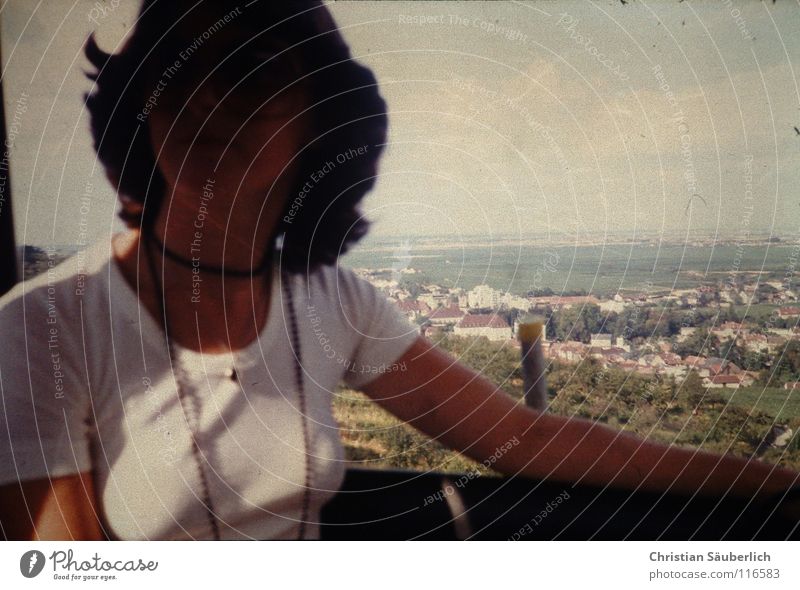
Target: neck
[
  {"x": 207, "y": 312},
  {"x": 205, "y": 230}
]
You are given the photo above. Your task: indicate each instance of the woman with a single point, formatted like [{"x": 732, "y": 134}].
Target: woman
[{"x": 176, "y": 384}]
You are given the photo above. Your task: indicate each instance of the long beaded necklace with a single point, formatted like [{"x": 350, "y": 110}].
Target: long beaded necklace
[{"x": 193, "y": 417}]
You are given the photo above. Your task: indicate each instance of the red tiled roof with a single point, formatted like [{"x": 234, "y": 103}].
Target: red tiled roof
[
  {"x": 614, "y": 350},
  {"x": 443, "y": 313},
  {"x": 482, "y": 320},
  {"x": 670, "y": 358},
  {"x": 406, "y": 306},
  {"x": 723, "y": 379}
]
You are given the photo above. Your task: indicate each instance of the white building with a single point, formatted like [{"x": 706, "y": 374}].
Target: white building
[
  {"x": 483, "y": 296},
  {"x": 612, "y": 305},
  {"x": 515, "y": 302},
  {"x": 434, "y": 300},
  {"x": 685, "y": 332},
  {"x": 601, "y": 340},
  {"x": 727, "y": 330},
  {"x": 483, "y": 324},
  {"x": 787, "y": 333}
]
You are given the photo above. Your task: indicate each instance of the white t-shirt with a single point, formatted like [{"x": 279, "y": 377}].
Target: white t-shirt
[{"x": 86, "y": 385}]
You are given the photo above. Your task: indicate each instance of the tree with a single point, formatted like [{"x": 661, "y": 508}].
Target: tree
[
  {"x": 693, "y": 389},
  {"x": 577, "y": 323},
  {"x": 412, "y": 286},
  {"x": 731, "y": 351},
  {"x": 700, "y": 343},
  {"x": 497, "y": 362},
  {"x": 755, "y": 360},
  {"x": 543, "y": 292},
  {"x": 786, "y": 367}
]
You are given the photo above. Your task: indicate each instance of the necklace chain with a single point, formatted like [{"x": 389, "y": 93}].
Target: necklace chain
[
  {"x": 194, "y": 422},
  {"x": 194, "y": 427},
  {"x": 298, "y": 375}
]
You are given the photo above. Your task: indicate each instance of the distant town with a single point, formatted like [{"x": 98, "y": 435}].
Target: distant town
[{"x": 729, "y": 333}]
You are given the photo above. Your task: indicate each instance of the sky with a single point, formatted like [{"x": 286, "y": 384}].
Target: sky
[{"x": 506, "y": 118}]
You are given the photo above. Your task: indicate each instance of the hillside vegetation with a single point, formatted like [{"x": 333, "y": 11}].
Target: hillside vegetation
[{"x": 682, "y": 413}]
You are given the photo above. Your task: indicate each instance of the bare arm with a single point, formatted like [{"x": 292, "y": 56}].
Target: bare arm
[
  {"x": 63, "y": 508},
  {"x": 466, "y": 412}
]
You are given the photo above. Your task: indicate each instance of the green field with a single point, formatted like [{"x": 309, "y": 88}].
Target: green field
[
  {"x": 595, "y": 269},
  {"x": 778, "y": 403}
]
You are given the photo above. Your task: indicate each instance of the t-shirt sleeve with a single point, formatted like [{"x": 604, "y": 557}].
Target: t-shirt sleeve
[
  {"x": 382, "y": 334},
  {"x": 44, "y": 410}
]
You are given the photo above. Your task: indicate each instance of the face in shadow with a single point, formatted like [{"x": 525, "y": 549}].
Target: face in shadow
[{"x": 236, "y": 110}]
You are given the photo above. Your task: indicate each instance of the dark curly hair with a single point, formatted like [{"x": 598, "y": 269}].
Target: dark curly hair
[{"x": 317, "y": 225}]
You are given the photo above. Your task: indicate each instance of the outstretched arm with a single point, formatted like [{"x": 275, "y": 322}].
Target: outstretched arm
[{"x": 466, "y": 412}]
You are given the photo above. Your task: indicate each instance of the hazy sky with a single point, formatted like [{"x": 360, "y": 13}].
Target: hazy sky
[{"x": 506, "y": 118}]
